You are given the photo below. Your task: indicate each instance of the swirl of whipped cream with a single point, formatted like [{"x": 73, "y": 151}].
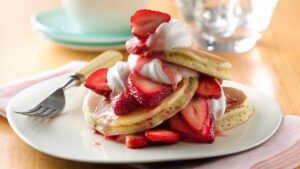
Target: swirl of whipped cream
[
  {"x": 116, "y": 77},
  {"x": 151, "y": 69},
  {"x": 159, "y": 71},
  {"x": 169, "y": 35},
  {"x": 217, "y": 106}
]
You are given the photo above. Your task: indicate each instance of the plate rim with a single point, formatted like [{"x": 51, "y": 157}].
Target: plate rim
[
  {"x": 88, "y": 47},
  {"x": 106, "y": 161}
]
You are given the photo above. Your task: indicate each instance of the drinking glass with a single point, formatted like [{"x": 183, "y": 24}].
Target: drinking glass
[{"x": 227, "y": 25}]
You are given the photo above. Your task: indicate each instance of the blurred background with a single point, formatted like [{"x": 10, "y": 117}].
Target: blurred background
[{"x": 269, "y": 66}]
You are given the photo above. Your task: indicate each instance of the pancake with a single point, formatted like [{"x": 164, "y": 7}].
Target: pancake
[
  {"x": 200, "y": 61},
  {"x": 98, "y": 111},
  {"x": 237, "y": 112}
]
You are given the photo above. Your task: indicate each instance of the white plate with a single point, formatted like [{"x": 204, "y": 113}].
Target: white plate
[{"x": 67, "y": 136}]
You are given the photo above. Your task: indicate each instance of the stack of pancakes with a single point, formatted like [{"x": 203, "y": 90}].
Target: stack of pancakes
[{"x": 99, "y": 114}]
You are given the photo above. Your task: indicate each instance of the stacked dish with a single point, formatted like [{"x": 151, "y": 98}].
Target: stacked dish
[{"x": 55, "y": 25}]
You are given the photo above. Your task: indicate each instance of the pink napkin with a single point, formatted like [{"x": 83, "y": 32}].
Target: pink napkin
[
  {"x": 7, "y": 91},
  {"x": 281, "y": 151}
]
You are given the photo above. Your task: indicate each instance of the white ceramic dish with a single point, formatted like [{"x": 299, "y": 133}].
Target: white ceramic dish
[{"x": 67, "y": 136}]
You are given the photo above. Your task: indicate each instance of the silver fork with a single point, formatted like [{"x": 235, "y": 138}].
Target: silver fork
[{"x": 55, "y": 103}]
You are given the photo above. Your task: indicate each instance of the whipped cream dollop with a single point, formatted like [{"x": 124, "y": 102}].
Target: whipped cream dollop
[
  {"x": 217, "y": 106},
  {"x": 159, "y": 71},
  {"x": 116, "y": 77},
  {"x": 169, "y": 35},
  {"x": 152, "y": 69}
]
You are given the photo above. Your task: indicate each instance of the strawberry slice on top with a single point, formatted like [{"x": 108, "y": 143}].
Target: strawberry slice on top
[
  {"x": 144, "y": 22},
  {"x": 209, "y": 88},
  {"x": 147, "y": 92},
  {"x": 97, "y": 82}
]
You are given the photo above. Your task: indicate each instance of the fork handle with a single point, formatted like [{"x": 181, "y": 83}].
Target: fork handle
[{"x": 106, "y": 59}]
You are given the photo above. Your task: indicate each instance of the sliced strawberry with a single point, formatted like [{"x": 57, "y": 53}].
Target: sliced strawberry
[
  {"x": 205, "y": 135},
  {"x": 121, "y": 138},
  {"x": 195, "y": 113},
  {"x": 97, "y": 82},
  {"x": 209, "y": 88},
  {"x": 118, "y": 138},
  {"x": 113, "y": 138},
  {"x": 176, "y": 124},
  {"x": 147, "y": 92},
  {"x": 136, "y": 46},
  {"x": 95, "y": 131},
  {"x": 162, "y": 136},
  {"x": 124, "y": 103},
  {"x": 144, "y": 22},
  {"x": 136, "y": 141}
]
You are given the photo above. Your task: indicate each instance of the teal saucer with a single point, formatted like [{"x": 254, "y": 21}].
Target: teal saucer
[
  {"x": 91, "y": 47},
  {"x": 56, "y": 24}
]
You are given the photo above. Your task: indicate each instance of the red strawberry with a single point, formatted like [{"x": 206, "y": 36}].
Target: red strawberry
[
  {"x": 195, "y": 113},
  {"x": 135, "y": 141},
  {"x": 176, "y": 124},
  {"x": 95, "y": 131},
  {"x": 118, "y": 138},
  {"x": 144, "y": 22},
  {"x": 147, "y": 92},
  {"x": 98, "y": 83},
  {"x": 163, "y": 136},
  {"x": 136, "y": 46},
  {"x": 121, "y": 138},
  {"x": 209, "y": 88},
  {"x": 205, "y": 135},
  {"x": 113, "y": 138},
  {"x": 124, "y": 103}
]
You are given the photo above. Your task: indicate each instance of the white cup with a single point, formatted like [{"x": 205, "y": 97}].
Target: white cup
[{"x": 103, "y": 16}]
